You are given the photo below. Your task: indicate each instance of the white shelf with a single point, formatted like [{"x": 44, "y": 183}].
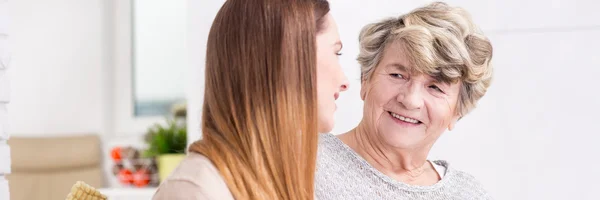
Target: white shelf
[{"x": 128, "y": 193}]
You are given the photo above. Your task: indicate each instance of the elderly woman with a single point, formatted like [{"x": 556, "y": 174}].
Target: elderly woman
[{"x": 421, "y": 73}]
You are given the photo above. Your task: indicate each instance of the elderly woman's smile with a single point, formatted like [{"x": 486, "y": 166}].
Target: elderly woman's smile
[{"x": 405, "y": 120}]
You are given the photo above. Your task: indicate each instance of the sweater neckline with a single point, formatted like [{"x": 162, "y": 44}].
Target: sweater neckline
[{"x": 450, "y": 174}]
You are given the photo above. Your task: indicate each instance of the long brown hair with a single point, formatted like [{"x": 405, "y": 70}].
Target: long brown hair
[{"x": 259, "y": 118}]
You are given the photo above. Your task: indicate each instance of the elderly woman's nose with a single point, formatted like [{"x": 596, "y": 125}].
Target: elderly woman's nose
[{"x": 411, "y": 98}]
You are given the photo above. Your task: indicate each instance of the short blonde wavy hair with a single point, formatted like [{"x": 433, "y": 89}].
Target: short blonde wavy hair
[{"x": 440, "y": 41}]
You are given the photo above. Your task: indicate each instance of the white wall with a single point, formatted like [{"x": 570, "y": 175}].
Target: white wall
[
  {"x": 62, "y": 74},
  {"x": 200, "y": 17},
  {"x": 62, "y": 66},
  {"x": 160, "y": 49},
  {"x": 534, "y": 130},
  {"x": 533, "y": 134},
  {"x": 4, "y": 99}
]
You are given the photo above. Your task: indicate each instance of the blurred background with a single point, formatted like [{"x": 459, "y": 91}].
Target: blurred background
[{"x": 101, "y": 90}]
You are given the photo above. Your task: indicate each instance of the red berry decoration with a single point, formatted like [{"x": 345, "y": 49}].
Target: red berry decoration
[
  {"x": 141, "y": 178},
  {"x": 115, "y": 154},
  {"x": 125, "y": 177}
]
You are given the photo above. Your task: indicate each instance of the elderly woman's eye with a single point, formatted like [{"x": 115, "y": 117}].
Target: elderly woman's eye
[
  {"x": 397, "y": 75},
  {"x": 435, "y": 87}
]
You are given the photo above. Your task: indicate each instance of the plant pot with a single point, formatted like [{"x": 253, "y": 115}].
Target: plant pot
[{"x": 167, "y": 163}]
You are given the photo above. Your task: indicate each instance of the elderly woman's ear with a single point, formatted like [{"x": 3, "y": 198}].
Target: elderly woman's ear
[{"x": 453, "y": 122}]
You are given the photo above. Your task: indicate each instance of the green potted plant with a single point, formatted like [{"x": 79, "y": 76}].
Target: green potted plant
[{"x": 167, "y": 143}]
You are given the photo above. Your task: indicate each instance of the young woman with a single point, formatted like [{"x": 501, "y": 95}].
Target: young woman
[{"x": 272, "y": 78}]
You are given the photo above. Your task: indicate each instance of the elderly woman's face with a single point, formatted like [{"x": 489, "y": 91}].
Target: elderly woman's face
[{"x": 407, "y": 110}]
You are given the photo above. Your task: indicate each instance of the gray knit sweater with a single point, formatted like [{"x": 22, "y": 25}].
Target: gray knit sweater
[{"x": 343, "y": 174}]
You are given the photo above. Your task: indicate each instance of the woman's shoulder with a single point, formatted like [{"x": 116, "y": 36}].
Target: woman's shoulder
[
  {"x": 196, "y": 177},
  {"x": 463, "y": 181},
  {"x": 456, "y": 173},
  {"x": 328, "y": 141},
  {"x": 195, "y": 167},
  {"x": 330, "y": 147}
]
